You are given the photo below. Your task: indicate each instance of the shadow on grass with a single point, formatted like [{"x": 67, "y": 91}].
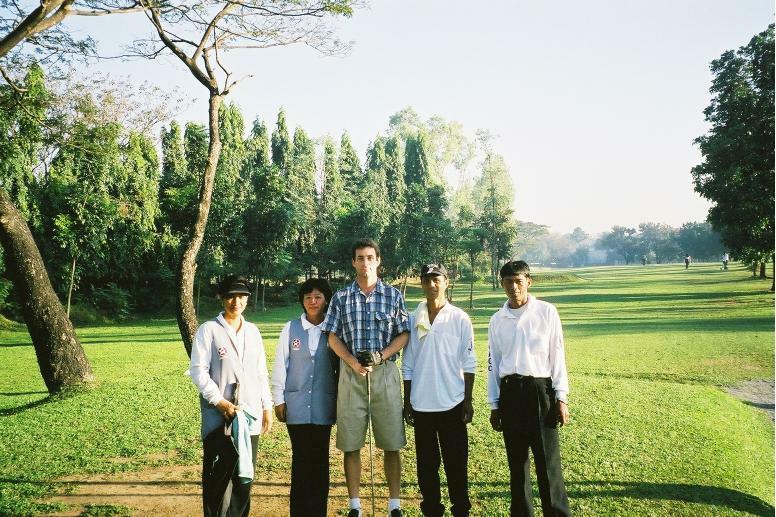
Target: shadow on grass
[
  {"x": 698, "y": 494},
  {"x": 632, "y": 326},
  {"x": 24, "y": 407},
  {"x": 17, "y": 393}
]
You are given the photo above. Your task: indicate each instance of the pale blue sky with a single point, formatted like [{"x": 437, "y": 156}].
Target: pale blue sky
[{"x": 595, "y": 103}]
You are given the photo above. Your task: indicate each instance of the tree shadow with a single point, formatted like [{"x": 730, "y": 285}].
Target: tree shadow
[
  {"x": 697, "y": 494},
  {"x": 24, "y": 407}
]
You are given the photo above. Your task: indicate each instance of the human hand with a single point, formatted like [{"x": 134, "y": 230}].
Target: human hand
[
  {"x": 495, "y": 420},
  {"x": 409, "y": 416},
  {"x": 266, "y": 421},
  {"x": 280, "y": 412},
  {"x": 369, "y": 358},
  {"x": 227, "y": 409},
  {"x": 563, "y": 413},
  {"x": 358, "y": 367},
  {"x": 467, "y": 411}
]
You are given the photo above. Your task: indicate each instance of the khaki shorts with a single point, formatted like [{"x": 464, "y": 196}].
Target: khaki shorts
[{"x": 387, "y": 422}]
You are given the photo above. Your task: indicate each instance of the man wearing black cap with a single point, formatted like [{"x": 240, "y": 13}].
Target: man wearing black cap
[
  {"x": 229, "y": 368},
  {"x": 438, "y": 369},
  {"x": 528, "y": 391}
]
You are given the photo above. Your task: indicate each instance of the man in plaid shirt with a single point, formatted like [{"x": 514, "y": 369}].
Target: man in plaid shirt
[{"x": 368, "y": 319}]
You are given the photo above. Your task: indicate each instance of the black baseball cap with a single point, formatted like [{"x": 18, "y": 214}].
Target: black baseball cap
[
  {"x": 433, "y": 270},
  {"x": 233, "y": 284}
]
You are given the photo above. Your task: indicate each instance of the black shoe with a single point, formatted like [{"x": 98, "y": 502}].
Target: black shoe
[
  {"x": 396, "y": 512},
  {"x": 354, "y": 512}
]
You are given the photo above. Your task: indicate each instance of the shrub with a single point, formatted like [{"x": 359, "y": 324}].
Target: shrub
[{"x": 112, "y": 301}]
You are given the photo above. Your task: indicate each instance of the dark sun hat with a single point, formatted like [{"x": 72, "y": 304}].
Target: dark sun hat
[{"x": 233, "y": 284}]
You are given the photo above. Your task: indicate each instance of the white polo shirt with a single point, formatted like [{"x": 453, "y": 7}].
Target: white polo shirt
[
  {"x": 526, "y": 341},
  {"x": 437, "y": 356}
]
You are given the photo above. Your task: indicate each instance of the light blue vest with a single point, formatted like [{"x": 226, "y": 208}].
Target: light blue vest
[{"x": 311, "y": 389}]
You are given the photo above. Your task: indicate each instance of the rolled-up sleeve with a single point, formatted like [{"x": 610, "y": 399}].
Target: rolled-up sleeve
[
  {"x": 199, "y": 366},
  {"x": 401, "y": 320},
  {"x": 333, "y": 320}
]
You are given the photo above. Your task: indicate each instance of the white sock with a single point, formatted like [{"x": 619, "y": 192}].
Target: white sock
[
  {"x": 394, "y": 504},
  {"x": 355, "y": 503}
]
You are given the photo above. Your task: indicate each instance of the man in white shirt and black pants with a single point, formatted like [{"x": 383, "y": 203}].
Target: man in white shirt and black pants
[
  {"x": 438, "y": 368},
  {"x": 528, "y": 391}
]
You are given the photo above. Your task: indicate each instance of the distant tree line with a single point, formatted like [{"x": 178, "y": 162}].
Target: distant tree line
[{"x": 655, "y": 243}]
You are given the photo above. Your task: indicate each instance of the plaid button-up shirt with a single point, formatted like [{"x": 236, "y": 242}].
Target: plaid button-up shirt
[{"x": 367, "y": 322}]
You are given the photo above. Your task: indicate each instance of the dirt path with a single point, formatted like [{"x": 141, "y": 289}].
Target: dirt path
[
  {"x": 175, "y": 490},
  {"x": 758, "y": 393}
]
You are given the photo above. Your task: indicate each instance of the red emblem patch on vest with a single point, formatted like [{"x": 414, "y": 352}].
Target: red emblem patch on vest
[
  {"x": 221, "y": 351},
  {"x": 296, "y": 344}
]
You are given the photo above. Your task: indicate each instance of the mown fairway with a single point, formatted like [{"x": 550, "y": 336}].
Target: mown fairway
[{"x": 648, "y": 350}]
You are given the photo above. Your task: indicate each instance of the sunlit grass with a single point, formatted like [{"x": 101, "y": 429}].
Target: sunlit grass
[{"x": 648, "y": 349}]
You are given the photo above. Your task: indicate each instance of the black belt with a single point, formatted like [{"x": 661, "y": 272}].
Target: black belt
[{"x": 516, "y": 377}]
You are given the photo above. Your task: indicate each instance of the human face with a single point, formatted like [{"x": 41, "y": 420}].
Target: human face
[
  {"x": 516, "y": 289},
  {"x": 314, "y": 304},
  {"x": 434, "y": 287},
  {"x": 234, "y": 304},
  {"x": 366, "y": 262}
]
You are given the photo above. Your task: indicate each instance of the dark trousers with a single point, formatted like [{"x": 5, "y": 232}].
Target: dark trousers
[
  {"x": 309, "y": 469},
  {"x": 223, "y": 494},
  {"x": 443, "y": 430},
  {"x": 529, "y": 419}
]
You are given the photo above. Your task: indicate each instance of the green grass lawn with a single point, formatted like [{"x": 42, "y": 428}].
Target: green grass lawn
[{"x": 648, "y": 350}]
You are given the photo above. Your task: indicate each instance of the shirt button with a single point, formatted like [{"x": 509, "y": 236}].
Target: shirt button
[
  {"x": 309, "y": 392},
  {"x": 311, "y": 376}
]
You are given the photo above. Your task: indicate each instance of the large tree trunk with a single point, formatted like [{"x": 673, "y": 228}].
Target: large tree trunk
[
  {"x": 762, "y": 270},
  {"x": 61, "y": 358},
  {"x": 187, "y": 316}
]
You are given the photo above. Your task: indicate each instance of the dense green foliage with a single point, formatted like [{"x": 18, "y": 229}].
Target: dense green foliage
[
  {"x": 737, "y": 173},
  {"x": 648, "y": 351}
]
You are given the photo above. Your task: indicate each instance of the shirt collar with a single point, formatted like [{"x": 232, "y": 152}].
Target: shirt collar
[
  {"x": 422, "y": 319},
  {"x": 379, "y": 287},
  {"x": 226, "y": 324},
  {"x": 507, "y": 312},
  {"x": 306, "y": 325}
]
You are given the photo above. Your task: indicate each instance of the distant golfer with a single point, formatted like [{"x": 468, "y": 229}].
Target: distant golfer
[
  {"x": 304, "y": 388},
  {"x": 438, "y": 368},
  {"x": 528, "y": 391},
  {"x": 229, "y": 368},
  {"x": 725, "y": 260},
  {"x": 687, "y": 260},
  {"x": 368, "y": 318}
]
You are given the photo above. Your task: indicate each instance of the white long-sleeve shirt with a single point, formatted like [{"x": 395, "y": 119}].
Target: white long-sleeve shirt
[
  {"x": 282, "y": 353},
  {"x": 437, "y": 356},
  {"x": 526, "y": 341},
  {"x": 217, "y": 348}
]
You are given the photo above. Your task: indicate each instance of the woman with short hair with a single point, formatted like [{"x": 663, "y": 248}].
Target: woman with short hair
[{"x": 304, "y": 388}]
